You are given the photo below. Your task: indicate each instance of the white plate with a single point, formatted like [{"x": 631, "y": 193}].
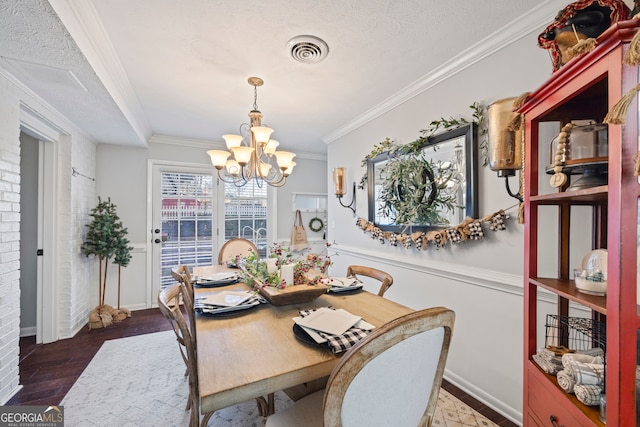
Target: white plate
[
  {"x": 324, "y": 319},
  {"x": 340, "y": 281},
  {"x": 218, "y": 310},
  {"x": 227, "y": 298},
  {"x": 224, "y": 277},
  {"x": 338, "y": 289},
  {"x": 313, "y": 334}
]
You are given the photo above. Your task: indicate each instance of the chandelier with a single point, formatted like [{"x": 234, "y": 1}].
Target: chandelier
[{"x": 253, "y": 152}]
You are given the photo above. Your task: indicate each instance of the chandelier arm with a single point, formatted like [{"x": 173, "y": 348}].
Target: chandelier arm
[
  {"x": 233, "y": 181},
  {"x": 279, "y": 183}
]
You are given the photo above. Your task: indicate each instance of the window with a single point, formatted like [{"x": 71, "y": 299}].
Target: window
[{"x": 245, "y": 214}]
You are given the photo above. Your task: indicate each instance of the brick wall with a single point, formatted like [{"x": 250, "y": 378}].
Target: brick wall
[
  {"x": 83, "y": 291},
  {"x": 9, "y": 239}
]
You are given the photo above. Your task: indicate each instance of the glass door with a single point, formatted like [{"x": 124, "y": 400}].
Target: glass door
[{"x": 184, "y": 222}]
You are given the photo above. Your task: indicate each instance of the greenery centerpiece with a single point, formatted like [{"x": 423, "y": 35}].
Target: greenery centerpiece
[{"x": 307, "y": 275}]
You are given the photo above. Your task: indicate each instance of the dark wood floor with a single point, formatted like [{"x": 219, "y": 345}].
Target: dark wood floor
[{"x": 47, "y": 371}]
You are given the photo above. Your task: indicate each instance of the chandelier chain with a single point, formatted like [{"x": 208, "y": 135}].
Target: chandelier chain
[{"x": 255, "y": 98}]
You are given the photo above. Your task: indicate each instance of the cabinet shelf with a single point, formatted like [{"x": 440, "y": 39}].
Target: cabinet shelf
[
  {"x": 586, "y": 196},
  {"x": 567, "y": 289}
]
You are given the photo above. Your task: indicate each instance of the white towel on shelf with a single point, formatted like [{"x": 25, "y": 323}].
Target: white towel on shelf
[
  {"x": 546, "y": 365},
  {"x": 566, "y": 380},
  {"x": 567, "y": 358},
  {"x": 588, "y": 394},
  {"x": 588, "y": 373}
]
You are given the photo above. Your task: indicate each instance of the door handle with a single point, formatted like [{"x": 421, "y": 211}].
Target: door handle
[{"x": 157, "y": 241}]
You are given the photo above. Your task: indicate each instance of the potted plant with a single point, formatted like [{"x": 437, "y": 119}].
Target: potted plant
[{"x": 106, "y": 239}]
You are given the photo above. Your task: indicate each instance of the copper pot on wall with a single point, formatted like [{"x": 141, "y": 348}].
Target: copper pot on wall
[{"x": 505, "y": 146}]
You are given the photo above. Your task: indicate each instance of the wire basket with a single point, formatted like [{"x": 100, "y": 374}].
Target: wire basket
[{"x": 575, "y": 333}]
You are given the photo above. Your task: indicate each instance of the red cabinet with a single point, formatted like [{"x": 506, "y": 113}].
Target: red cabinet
[{"x": 584, "y": 89}]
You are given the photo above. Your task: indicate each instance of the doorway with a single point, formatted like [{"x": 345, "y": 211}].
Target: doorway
[{"x": 37, "y": 302}]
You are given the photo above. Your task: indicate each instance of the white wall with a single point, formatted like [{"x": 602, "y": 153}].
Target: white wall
[
  {"x": 481, "y": 281},
  {"x": 9, "y": 239}
]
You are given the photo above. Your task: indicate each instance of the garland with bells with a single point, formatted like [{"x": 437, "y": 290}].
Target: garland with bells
[{"x": 469, "y": 229}]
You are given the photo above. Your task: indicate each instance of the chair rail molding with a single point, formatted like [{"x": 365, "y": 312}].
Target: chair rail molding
[{"x": 491, "y": 279}]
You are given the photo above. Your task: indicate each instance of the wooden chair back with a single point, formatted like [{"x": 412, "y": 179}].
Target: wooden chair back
[
  {"x": 235, "y": 247},
  {"x": 384, "y": 277},
  {"x": 182, "y": 274},
  {"x": 392, "y": 376},
  {"x": 169, "y": 303}
]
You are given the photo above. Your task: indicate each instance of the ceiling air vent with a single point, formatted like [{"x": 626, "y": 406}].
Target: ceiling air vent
[{"x": 308, "y": 49}]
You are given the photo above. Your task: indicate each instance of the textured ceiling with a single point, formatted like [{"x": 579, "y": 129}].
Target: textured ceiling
[{"x": 179, "y": 67}]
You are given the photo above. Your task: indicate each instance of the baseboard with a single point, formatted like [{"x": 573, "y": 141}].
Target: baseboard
[
  {"x": 497, "y": 405},
  {"x": 10, "y": 395},
  {"x": 28, "y": 331}
]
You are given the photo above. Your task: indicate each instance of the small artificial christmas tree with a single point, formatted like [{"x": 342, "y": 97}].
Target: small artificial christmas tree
[{"x": 106, "y": 238}]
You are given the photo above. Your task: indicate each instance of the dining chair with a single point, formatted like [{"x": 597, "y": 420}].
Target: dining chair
[
  {"x": 384, "y": 277},
  {"x": 390, "y": 377},
  {"x": 234, "y": 247},
  {"x": 182, "y": 274},
  {"x": 169, "y": 303}
]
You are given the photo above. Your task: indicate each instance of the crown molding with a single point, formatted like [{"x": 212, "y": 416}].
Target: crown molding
[
  {"x": 83, "y": 24},
  {"x": 535, "y": 19}
]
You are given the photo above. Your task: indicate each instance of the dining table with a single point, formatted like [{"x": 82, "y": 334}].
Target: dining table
[{"x": 254, "y": 353}]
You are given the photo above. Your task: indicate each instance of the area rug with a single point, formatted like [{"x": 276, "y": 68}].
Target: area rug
[{"x": 139, "y": 381}]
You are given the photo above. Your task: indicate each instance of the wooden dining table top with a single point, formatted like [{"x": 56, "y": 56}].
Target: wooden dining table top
[{"x": 254, "y": 352}]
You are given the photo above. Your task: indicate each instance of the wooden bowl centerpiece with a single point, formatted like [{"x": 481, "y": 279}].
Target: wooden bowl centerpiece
[
  {"x": 306, "y": 286},
  {"x": 294, "y": 294}
]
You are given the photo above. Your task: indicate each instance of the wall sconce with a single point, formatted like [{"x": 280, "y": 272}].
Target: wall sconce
[
  {"x": 505, "y": 146},
  {"x": 340, "y": 183}
]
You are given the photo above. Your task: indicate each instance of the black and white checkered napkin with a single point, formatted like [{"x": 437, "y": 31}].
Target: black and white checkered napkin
[{"x": 340, "y": 343}]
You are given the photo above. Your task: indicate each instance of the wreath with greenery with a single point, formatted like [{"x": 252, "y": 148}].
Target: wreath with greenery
[
  {"x": 416, "y": 190},
  {"x": 312, "y": 224}
]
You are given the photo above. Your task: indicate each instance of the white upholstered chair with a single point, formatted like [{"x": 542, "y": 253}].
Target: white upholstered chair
[
  {"x": 385, "y": 278},
  {"x": 235, "y": 247},
  {"x": 392, "y": 377}
]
